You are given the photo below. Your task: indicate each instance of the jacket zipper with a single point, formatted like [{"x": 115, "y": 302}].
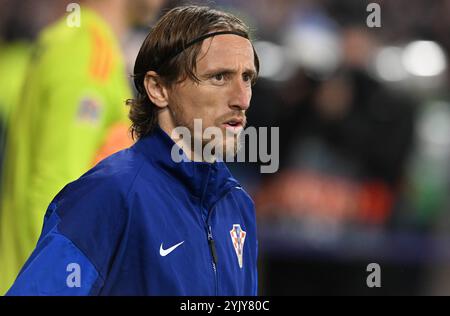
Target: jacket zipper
[
  {"x": 212, "y": 248},
  {"x": 212, "y": 244}
]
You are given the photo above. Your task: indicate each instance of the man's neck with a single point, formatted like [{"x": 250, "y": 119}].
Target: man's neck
[{"x": 113, "y": 12}]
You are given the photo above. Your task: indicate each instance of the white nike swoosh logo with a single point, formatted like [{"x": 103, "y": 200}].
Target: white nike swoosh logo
[{"x": 164, "y": 252}]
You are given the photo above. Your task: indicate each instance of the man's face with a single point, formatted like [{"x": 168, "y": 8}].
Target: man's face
[{"x": 225, "y": 67}]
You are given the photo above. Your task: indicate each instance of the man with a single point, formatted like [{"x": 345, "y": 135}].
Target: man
[
  {"x": 72, "y": 105},
  {"x": 140, "y": 223}
]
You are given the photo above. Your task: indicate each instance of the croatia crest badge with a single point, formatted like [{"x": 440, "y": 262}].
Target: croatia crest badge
[{"x": 238, "y": 239}]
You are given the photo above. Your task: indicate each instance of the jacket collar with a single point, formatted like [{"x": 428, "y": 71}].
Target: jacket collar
[{"x": 207, "y": 181}]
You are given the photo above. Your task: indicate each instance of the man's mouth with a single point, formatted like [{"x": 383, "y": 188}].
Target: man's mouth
[{"x": 235, "y": 124}]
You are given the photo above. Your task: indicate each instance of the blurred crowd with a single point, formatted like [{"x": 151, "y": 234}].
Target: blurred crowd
[{"x": 364, "y": 119}]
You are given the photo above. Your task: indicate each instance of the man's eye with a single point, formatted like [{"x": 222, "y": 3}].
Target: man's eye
[
  {"x": 219, "y": 77},
  {"x": 248, "y": 79}
]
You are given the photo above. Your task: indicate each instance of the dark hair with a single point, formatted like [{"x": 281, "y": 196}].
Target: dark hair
[{"x": 165, "y": 51}]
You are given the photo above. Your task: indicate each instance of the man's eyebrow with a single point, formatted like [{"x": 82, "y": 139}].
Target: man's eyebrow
[{"x": 218, "y": 70}]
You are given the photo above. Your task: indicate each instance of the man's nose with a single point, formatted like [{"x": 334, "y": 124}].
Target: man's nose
[{"x": 241, "y": 94}]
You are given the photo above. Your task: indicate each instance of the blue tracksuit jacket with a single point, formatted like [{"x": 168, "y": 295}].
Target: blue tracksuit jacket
[{"x": 139, "y": 223}]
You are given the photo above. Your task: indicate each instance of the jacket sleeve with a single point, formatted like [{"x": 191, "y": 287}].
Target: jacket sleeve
[
  {"x": 82, "y": 234},
  {"x": 57, "y": 267}
]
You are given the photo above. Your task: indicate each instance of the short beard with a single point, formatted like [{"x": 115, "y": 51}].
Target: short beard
[
  {"x": 229, "y": 143},
  {"x": 229, "y": 147}
]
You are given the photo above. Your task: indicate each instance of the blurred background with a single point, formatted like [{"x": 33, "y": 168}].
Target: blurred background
[{"x": 364, "y": 118}]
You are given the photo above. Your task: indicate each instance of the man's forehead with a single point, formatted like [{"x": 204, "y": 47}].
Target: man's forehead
[{"x": 226, "y": 49}]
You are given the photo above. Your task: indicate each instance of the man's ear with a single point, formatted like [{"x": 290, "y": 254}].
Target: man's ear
[{"x": 156, "y": 91}]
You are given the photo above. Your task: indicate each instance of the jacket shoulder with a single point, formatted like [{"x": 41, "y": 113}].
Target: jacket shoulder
[
  {"x": 111, "y": 178},
  {"x": 93, "y": 211}
]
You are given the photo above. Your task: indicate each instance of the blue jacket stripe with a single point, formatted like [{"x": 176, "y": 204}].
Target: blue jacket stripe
[{"x": 56, "y": 267}]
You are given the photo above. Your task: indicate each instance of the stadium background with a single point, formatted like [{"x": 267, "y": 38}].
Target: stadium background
[{"x": 364, "y": 118}]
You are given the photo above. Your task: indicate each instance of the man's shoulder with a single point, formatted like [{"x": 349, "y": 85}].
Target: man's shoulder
[
  {"x": 96, "y": 205},
  {"x": 111, "y": 179}
]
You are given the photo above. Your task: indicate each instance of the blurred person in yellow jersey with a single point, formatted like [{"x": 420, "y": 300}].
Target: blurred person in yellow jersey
[
  {"x": 17, "y": 33},
  {"x": 71, "y": 114}
]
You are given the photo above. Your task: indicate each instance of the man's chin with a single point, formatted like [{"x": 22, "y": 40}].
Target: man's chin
[
  {"x": 231, "y": 147},
  {"x": 223, "y": 150},
  {"x": 229, "y": 130}
]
